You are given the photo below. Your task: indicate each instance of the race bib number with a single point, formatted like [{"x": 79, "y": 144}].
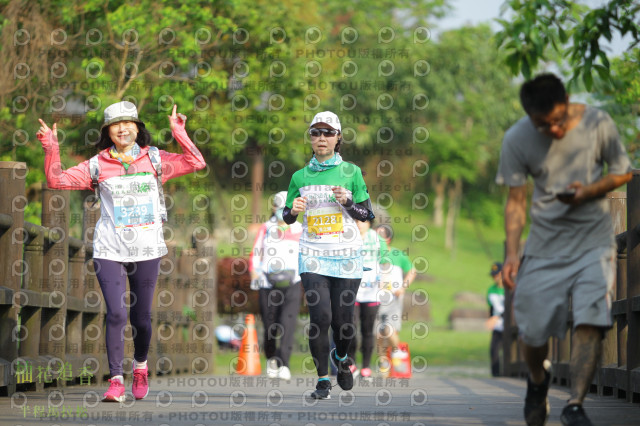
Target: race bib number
[
  {"x": 133, "y": 211},
  {"x": 325, "y": 221}
]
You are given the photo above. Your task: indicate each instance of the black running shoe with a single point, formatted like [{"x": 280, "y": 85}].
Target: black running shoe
[
  {"x": 323, "y": 390},
  {"x": 345, "y": 377},
  {"x": 536, "y": 403},
  {"x": 574, "y": 415}
]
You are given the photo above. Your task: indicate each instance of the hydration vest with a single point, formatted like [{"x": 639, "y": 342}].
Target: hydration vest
[{"x": 154, "y": 156}]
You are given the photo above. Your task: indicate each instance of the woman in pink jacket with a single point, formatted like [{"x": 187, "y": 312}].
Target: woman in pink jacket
[{"x": 127, "y": 174}]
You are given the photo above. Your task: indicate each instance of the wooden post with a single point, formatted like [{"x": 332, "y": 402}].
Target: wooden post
[
  {"x": 513, "y": 362},
  {"x": 75, "y": 305},
  {"x": 205, "y": 302},
  {"x": 633, "y": 287},
  {"x": 55, "y": 216},
  {"x": 12, "y": 204},
  {"x": 31, "y": 311},
  {"x": 183, "y": 297},
  {"x": 163, "y": 301},
  {"x": 607, "y": 376},
  {"x": 93, "y": 317},
  {"x": 166, "y": 303},
  {"x": 510, "y": 337}
]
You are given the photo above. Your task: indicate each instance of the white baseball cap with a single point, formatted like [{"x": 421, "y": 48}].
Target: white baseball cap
[
  {"x": 327, "y": 117},
  {"x": 121, "y": 111},
  {"x": 279, "y": 200}
]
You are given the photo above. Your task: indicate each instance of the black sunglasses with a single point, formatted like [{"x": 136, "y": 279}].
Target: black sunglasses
[
  {"x": 543, "y": 127},
  {"x": 324, "y": 132}
]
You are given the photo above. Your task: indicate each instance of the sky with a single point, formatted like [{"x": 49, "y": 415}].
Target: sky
[
  {"x": 472, "y": 12},
  {"x": 476, "y": 11}
]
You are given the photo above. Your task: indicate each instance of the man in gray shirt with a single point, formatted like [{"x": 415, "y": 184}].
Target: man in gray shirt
[{"x": 570, "y": 248}]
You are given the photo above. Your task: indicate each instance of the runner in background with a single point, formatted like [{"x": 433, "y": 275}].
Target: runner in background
[
  {"x": 395, "y": 280},
  {"x": 495, "y": 323},
  {"x": 274, "y": 273},
  {"x": 367, "y": 301}
]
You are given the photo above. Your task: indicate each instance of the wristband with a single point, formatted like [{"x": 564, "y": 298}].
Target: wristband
[{"x": 349, "y": 204}]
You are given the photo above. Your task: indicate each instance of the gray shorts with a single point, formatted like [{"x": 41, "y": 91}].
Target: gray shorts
[
  {"x": 390, "y": 314},
  {"x": 545, "y": 287}
]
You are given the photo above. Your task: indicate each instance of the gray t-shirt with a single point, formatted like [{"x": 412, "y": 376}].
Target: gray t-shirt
[{"x": 559, "y": 229}]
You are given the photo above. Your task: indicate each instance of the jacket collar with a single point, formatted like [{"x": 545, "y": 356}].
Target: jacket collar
[{"x": 105, "y": 153}]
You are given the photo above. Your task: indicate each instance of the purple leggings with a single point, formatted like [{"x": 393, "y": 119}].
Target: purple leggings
[{"x": 112, "y": 277}]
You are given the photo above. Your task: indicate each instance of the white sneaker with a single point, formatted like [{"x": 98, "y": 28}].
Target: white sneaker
[
  {"x": 284, "y": 373},
  {"x": 272, "y": 368}
]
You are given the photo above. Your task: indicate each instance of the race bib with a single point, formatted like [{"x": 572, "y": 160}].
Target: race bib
[
  {"x": 325, "y": 221},
  {"x": 133, "y": 211},
  {"x": 134, "y": 201}
]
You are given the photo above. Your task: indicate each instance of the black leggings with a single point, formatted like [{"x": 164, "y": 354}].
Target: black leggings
[
  {"x": 330, "y": 301},
  {"x": 279, "y": 308},
  {"x": 367, "y": 314}
]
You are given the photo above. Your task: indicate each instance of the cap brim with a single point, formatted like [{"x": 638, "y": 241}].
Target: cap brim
[
  {"x": 119, "y": 119},
  {"x": 318, "y": 122}
]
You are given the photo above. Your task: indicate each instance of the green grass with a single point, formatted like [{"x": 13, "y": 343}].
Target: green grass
[
  {"x": 440, "y": 348},
  {"x": 446, "y": 347},
  {"x": 465, "y": 268}
]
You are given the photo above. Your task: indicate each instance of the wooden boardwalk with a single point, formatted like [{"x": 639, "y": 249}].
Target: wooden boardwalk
[{"x": 428, "y": 399}]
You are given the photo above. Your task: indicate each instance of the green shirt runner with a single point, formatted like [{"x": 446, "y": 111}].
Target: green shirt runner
[{"x": 331, "y": 242}]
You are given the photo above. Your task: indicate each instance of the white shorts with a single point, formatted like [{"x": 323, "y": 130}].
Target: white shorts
[{"x": 390, "y": 315}]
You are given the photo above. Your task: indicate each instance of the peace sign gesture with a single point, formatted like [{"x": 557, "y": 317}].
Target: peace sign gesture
[{"x": 177, "y": 119}]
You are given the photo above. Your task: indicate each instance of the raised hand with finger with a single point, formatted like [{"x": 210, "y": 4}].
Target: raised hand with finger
[
  {"x": 176, "y": 119},
  {"x": 46, "y": 135}
]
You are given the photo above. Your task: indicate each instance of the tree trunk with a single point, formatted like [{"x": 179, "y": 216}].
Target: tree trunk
[
  {"x": 257, "y": 183},
  {"x": 455, "y": 196},
  {"x": 439, "y": 184}
]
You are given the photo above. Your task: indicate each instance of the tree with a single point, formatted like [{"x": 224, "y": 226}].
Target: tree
[
  {"x": 226, "y": 67},
  {"x": 569, "y": 28},
  {"x": 475, "y": 102},
  {"x": 621, "y": 98}
]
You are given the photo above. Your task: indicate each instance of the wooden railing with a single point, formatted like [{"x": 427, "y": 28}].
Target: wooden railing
[
  {"x": 619, "y": 370},
  {"x": 51, "y": 307}
]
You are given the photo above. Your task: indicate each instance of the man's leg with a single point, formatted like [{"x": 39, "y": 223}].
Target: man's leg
[
  {"x": 585, "y": 354},
  {"x": 536, "y": 402},
  {"x": 534, "y": 357}
]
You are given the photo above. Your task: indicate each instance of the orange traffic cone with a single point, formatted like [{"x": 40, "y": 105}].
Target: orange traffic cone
[
  {"x": 249, "y": 356},
  {"x": 400, "y": 361}
]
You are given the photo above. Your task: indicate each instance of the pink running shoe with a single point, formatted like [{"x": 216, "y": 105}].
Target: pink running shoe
[
  {"x": 353, "y": 368},
  {"x": 115, "y": 392},
  {"x": 365, "y": 372},
  {"x": 140, "y": 388}
]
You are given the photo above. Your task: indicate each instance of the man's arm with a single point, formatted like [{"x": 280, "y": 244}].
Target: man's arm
[
  {"x": 515, "y": 216},
  {"x": 597, "y": 189}
]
